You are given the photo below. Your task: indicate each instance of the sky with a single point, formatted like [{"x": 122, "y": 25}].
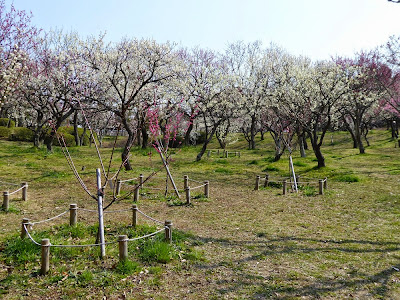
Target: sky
[{"x": 318, "y": 29}]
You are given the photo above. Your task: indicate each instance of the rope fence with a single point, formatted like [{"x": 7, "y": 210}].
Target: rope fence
[
  {"x": 322, "y": 183},
  {"x": 6, "y": 194},
  {"x": 186, "y": 188},
  {"x": 225, "y": 153},
  {"x": 122, "y": 239}
]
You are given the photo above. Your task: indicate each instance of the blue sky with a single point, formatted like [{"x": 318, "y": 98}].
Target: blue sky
[{"x": 315, "y": 28}]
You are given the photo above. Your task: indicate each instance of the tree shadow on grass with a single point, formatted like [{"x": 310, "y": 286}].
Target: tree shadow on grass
[{"x": 282, "y": 285}]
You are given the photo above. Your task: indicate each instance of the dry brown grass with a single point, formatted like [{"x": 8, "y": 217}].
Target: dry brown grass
[{"x": 256, "y": 244}]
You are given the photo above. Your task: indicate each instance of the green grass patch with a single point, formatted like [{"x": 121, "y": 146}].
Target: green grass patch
[
  {"x": 270, "y": 169},
  {"x": 347, "y": 178}
]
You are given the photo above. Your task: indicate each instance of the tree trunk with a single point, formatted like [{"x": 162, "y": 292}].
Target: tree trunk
[
  {"x": 252, "y": 142},
  {"x": 125, "y": 152},
  {"x": 145, "y": 136},
  {"x": 353, "y": 137},
  {"x": 305, "y": 141},
  {"x": 82, "y": 137},
  {"x": 36, "y": 138},
  {"x": 187, "y": 134},
  {"x": 317, "y": 148},
  {"x": 319, "y": 156},
  {"x": 301, "y": 145},
  {"x": 206, "y": 142},
  {"x": 359, "y": 142},
  {"x": 76, "y": 134},
  {"x": 49, "y": 142}
]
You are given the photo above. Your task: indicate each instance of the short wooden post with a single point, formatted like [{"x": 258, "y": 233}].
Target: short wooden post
[
  {"x": 187, "y": 190},
  {"x": 208, "y": 153},
  {"x": 218, "y": 152},
  {"x": 118, "y": 188},
  {"x": 239, "y": 153},
  {"x": 325, "y": 183},
  {"x": 207, "y": 189},
  {"x": 257, "y": 187},
  {"x": 24, "y": 191},
  {"x": 134, "y": 215},
  {"x": 185, "y": 181},
  {"x": 123, "y": 247},
  {"x": 136, "y": 194},
  {"x": 141, "y": 180},
  {"x": 24, "y": 227},
  {"x": 284, "y": 187},
  {"x": 6, "y": 200},
  {"x": 321, "y": 186},
  {"x": 226, "y": 154},
  {"x": 45, "y": 256},
  {"x": 73, "y": 216},
  {"x": 168, "y": 231},
  {"x": 266, "y": 180}
]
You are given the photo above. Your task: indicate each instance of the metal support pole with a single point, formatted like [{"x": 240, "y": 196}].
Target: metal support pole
[
  {"x": 118, "y": 188},
  {"x": 100, "y": 211}
]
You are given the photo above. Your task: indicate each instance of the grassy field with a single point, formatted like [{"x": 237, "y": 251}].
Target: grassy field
[{"x": 239, "y": 243}]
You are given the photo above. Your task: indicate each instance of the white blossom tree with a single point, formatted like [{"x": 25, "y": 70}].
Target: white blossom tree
[{"x": 126, "y": 72}]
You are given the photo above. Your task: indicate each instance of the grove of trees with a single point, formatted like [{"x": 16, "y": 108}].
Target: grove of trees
[{"x": 49, "y": 79}]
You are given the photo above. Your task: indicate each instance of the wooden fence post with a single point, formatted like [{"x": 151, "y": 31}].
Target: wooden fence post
[
  {"x": 123, "y": 247},
  {"x": 118, "y": 188},
  {"x": 226, "y": 154},
  {"x": 45, "y": 256},
  {"x": 73, "y": 216},
  {"x": 325, "y": 183},
  {"x": 187, "y": 195},
  {"x": 207, "y": 189},
  {"x": 208, "y": 153},
  {"x": 168, "y": 231},
  {"x": 239, "y": 153},
  {"x": 24, "y": 191},
  {"x": 284, "y": 187},
  {"x": 141, "y": 180},
  {"x": 24, "y": 227},
  {"x": 6, "y": 200},
  {"x": 136, "y": 194},
  {"x": 134, "y": 215},
  {"x": 185, "y": 181},
  {"x": 257, "y": 187},
  {"x": 266, "y": 180},
  {"x": 321, "y": 186},
  {"x": 218, "y": 152}
]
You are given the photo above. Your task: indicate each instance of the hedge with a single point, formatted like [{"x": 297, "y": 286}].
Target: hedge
[
  {"x": 5, "y": 122},
  {"x": 4, "y": 132},
  {"x": 21, "y": 134}
]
